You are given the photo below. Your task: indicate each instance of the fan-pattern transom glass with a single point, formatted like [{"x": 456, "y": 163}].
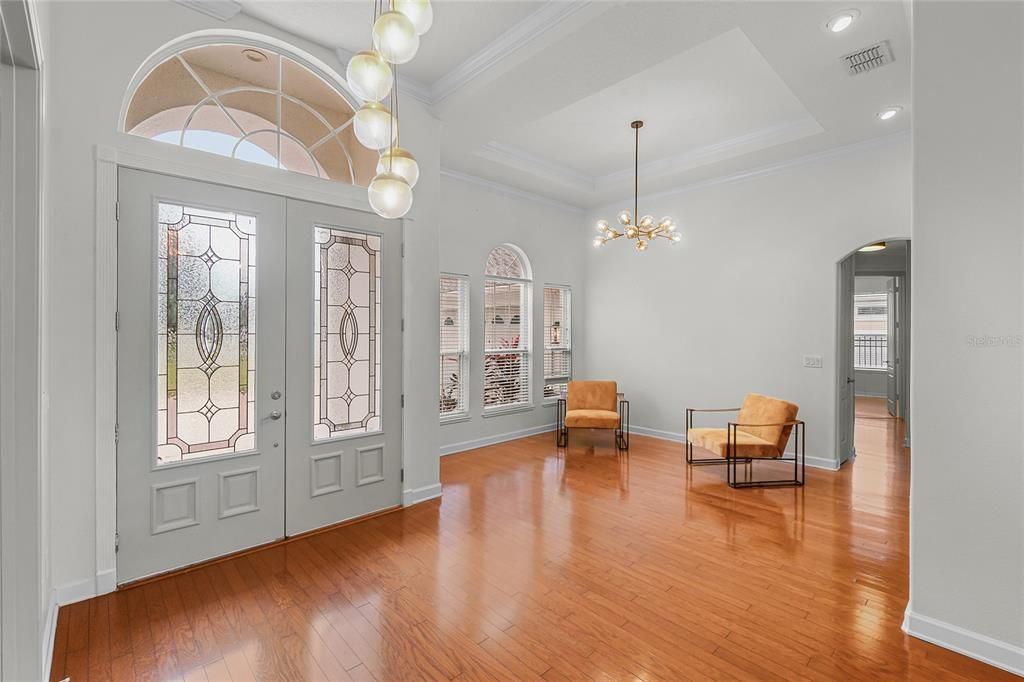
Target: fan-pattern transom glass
[
  {"x": 346, "y": 333},
  {"x": 206, "y": 332},
  {"x": 251, "y": 104}
]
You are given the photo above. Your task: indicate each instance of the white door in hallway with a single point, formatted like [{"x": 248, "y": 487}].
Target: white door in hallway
[
  {"x": 892, "y": 344},
  {"x": 344, "y": 365},
  {"x": 845, "y": 406},
  {"x": 201, "y": 371}
]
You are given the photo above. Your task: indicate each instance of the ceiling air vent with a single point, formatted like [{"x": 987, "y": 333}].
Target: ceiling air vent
[{"x": 869, "y": 58}]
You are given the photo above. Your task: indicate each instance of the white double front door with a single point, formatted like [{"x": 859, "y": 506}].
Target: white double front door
[{"x": 259, "y": 369}]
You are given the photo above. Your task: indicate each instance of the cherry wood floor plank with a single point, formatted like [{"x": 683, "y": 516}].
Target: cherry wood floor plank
[{"x": 548, "y": 564}]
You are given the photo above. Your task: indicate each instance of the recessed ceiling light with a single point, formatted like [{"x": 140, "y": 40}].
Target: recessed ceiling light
[
  {"x": 841, "y": 21},
  {"x": 889, "y": 112},
  {"x": 254, "y": 55},
  {"x": 878, "y": 246}
]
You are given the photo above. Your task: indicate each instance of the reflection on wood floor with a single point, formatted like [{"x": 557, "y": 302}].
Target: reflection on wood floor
[{"x": 580, "y": 564}]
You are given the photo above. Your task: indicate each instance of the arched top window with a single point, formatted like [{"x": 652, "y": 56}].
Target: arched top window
[
  {"x": 507, "y": 261},
  {"x": 254, "y": 104}
]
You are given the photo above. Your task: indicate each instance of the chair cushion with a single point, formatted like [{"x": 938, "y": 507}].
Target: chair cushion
[
  {"x": 747, "y": 444},
  {"x": 591, "y": 395},
  {"x": 762, "y": 409},
  {"x": 592, "y": 419}
]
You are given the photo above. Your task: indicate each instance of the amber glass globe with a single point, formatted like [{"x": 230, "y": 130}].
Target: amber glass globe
[
  {"x": 395, "y": 37},
  {"x": 390, "y": 195},
  {"x": 374, "y": 126},
  {"x": 420, "y": 13},
  {"x": 369, "y": 76},
  {"x": 400, "y": 162}
]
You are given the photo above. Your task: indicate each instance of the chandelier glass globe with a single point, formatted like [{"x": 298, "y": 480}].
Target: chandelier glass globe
[
  {"x": 400, "y": 162},
  {"x": 395, "y": 37},
  {"x": 369, "y": 76},
  {"x": 644, "y": 230},
  {"x": 374, "y": 126},
  {"x": 420, "y": 13},
  {"x": 390, "y": 195}
]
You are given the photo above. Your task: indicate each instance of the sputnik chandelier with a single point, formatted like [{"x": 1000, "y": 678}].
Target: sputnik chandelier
[
  {"x": 397, "y": 27},
  {"x": 644, "y": 229}
]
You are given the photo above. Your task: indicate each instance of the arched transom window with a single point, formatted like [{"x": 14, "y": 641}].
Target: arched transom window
[
  {"x": 506, "y": 330},
  {"x": 252, "y": 104}
]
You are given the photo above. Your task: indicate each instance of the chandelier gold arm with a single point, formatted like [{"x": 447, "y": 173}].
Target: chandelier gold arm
[{"x": 638, "y": 229}]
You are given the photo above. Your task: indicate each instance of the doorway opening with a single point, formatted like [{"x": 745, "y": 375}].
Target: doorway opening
[{"x": 873, "y": 350}]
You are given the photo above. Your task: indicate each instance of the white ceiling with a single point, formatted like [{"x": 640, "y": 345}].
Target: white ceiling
[
  {"x": 461, "y": 28},
  {"x": 539, "y": 95}
]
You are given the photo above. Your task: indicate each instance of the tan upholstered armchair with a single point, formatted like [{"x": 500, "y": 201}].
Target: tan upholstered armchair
[
  {"x": 760, "y": 432},
  {"x": 593, "y": 405}
]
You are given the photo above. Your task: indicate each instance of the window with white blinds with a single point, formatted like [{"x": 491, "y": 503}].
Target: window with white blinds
[
  {"x": 506, "y": 330},
  {"x": 454, "y": 364},
  {"x": 557, "y": 341}
]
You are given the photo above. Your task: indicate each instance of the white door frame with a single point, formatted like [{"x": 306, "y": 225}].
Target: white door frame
[
  {"x": 157, "y": 157},
  {"x": 24, "y": 563}
]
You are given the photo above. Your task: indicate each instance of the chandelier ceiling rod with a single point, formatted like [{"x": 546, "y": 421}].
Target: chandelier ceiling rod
[{"x": 639, "y": 229}]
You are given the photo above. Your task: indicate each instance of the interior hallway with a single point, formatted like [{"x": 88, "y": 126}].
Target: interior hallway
[{"x": 540, "y": 564}]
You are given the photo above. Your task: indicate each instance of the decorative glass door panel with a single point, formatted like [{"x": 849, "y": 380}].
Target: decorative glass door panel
[
  {"x": 201, "y": 371},
  {"x": 346, "y": 333},
  {"x": 344, "y": 365},
  {"x": 206, "y": 332}
]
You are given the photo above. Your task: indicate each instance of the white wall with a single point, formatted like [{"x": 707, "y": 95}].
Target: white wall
[
  {"x": 967, "y": 484},
  {"x": 95, "y": 48},
  {"x": 477, "y": 218},
  {"x": 749, "y": 290}
]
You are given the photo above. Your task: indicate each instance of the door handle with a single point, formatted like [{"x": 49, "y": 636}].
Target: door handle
[
  {"x": 275, "y": 415},
  {"x": 849, "y": 380}
]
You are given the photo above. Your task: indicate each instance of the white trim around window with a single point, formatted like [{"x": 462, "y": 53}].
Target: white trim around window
[
  {"x": 508, "y": 367},
  {"x": 453, "y": 403},
  {"x": 557, "y": 341}
]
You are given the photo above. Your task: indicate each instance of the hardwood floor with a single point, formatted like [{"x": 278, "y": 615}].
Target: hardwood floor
[{"x": 581, "y": 565}]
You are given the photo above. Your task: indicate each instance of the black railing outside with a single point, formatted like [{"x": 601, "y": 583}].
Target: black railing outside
[{"x": 870, "y": 351}]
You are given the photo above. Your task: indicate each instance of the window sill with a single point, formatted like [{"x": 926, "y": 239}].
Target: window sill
[
  {"x": 455, "y": 418},
  {"x": 550, "y": 402},
  {"x": 880, "y": 370},
  {"x": 501, "y": 411}
]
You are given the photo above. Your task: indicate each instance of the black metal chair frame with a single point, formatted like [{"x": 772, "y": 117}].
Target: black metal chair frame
[
  {"x": 732, "y": 461},
  {"x": 621, "y": 432}
]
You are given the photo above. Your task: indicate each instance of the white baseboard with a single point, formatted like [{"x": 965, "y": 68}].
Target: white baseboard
[
  {"x": 676, "y": 437},
  {"x": 417, "y": 495},
  {"x": 453, "y": 448},
  {"x": 75, "y": 592},
  {"x": 981, "y": 647},
  {"x": 657, "y": 433}
]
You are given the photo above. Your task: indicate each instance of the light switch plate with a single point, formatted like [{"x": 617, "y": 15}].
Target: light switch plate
[{"x": 813, "y": 361}]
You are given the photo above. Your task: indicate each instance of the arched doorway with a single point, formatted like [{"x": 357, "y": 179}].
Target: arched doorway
[{"x": 873, "y": 340}]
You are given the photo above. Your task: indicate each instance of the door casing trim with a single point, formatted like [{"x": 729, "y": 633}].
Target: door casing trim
[{"x": 155, "y": 157}]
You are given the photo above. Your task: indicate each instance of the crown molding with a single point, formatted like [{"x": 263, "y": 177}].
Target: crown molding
[
  {"x": 781, "y": 133},
  {"x": 410, "y": 86},
  {"x": 218, "y": 9},
  {"x": 769, "y": 169},
  {"x": 508, "y": 190},
  {"x": 520, "y": 159},
  {"x": 513, "y": 157},
  {"x": 534, "y": 25}
]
